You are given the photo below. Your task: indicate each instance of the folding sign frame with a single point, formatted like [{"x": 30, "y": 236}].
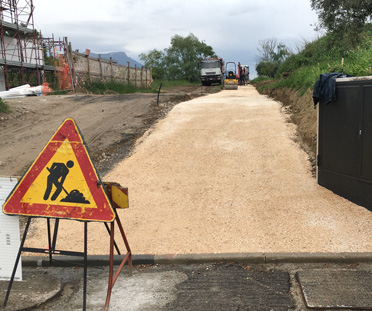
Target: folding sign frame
[{"x": 63, "y": 164}]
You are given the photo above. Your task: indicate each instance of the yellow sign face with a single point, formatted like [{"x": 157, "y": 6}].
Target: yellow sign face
[{"x": 62, "y": 182}]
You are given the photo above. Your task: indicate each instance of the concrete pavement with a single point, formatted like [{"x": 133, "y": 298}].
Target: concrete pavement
[{"x": 217, "y": 282}]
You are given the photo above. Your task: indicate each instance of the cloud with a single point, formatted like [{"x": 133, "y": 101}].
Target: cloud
[{"x": 233, "y": 29}]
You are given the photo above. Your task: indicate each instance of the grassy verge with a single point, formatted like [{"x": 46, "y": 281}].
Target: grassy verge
[
  {"x": 260, "y": 79},
  {"x": 322, "y": 56},
  {"x": 111, "y": 87},
  {"x": 171, "y": 84},
  {"x": 119, "y": 88},
  {"x": 4, "y": 107}
]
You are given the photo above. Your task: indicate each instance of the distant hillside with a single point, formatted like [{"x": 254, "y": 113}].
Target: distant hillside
[{"x": 121, "y": 57}]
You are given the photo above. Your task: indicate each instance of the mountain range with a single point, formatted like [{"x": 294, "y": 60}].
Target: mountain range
[{"x": 121, "y": 57}]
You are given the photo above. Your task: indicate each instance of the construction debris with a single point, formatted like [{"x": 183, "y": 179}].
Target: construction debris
[{"x": 26, "y": 90}]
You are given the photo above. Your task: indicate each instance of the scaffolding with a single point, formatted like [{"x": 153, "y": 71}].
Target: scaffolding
[
  {"x": 56, "y": 54},
  {"x": 22, "y": 57}
]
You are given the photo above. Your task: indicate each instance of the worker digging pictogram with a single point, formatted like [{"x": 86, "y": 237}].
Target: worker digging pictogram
[{"x": 57, "y": 175}]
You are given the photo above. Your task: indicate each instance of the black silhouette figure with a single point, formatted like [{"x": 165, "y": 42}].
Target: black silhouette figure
[{"x": 57, "y": 176}]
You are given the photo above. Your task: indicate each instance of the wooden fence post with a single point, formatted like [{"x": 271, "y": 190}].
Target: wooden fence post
[
  {"x": 87, "y": 52},
  {"x": 135, "y": 75},
  {"x": 112, "y": 70},
  {"x": 100, "y": 66},
  {"x": 128, "y": 73},
  {"x": 142, "y": 77}
]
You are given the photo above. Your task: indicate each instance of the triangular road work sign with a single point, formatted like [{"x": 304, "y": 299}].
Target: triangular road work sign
[{"x": 62, "y": 182}]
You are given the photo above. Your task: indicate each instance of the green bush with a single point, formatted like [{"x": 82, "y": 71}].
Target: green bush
[
  {"x": 267, "y": 68},
  {"x": 4, "y": 107}
]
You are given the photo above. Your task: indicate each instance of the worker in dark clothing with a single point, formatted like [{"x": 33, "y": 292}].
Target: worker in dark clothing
[
  {"x": 57, "y": 176},
  {"x": 243, "y": 76}
]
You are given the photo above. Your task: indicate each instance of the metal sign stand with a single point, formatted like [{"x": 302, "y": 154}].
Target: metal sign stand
[
  {"x": 52, "y": 241},
  {"x": 127, "y": 257},
  {"x": 51, "y": 251}
]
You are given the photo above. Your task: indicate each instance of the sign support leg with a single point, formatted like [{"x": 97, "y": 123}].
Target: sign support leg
[
  {"x": 17, "y": 261},
  {"x": 85, "y": 265},
  {"x": 127, "y": 258},
  {"x": 111, "y": 269},
  {"x": 109, "y": 232},
  {"x": 49, "y": 242},
  {"x": 56, "y": 224},
  {"x": 129, "y": 252},
  {"x": 52, "y": 242}
]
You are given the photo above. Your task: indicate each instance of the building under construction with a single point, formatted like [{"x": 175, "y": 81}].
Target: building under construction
[{"x": 26, "y": 58}]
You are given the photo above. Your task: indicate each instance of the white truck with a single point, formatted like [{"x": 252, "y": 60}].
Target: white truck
[{"x": 212, "y": 71}]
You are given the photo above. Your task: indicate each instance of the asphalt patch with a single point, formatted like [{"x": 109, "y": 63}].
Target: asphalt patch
[{"x": 233, "y": 287}]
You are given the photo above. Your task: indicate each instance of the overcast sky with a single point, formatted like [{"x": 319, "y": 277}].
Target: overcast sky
[{"x": 232, "y": 27}]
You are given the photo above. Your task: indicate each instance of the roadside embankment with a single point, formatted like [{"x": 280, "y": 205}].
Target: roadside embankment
[{"x": 300, "y": 109}]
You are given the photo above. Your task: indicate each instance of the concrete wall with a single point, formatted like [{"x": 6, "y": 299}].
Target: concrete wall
[{"x": 86, "y": 68}]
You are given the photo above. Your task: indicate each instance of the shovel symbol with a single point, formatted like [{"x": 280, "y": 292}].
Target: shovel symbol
[{"x": 57, "y": 176}]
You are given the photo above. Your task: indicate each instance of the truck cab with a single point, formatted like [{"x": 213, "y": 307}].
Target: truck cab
[{"x": 211, "y": 71}]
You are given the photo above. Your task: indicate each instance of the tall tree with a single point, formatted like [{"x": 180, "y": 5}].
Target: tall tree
[
  {"x": 179, "y": 61},
  {"x": 271, "y": 54},
  {"x": 155, "y": 60},
  {"x": 183, "y": 56},
  {"x": 344, "y": 18},
  {"x": 271, "y": 50}
]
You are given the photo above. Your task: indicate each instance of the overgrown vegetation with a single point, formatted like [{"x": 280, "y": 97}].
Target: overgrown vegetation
[
  {"x": 110, "y": 87},
  {"x": 99, "y": 87},
  {"x": 4, "y": 107},
  {"x": 344, "y": 19},
  {"x": 348, "y": 38},
  {"x": 303, "y": 69}
]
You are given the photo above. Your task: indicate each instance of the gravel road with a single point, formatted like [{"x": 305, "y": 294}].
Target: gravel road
[{"x": 220, "y": 174}]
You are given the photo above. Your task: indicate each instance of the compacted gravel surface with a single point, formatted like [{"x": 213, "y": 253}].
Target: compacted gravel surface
[{"x": 222, "y": 173}]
